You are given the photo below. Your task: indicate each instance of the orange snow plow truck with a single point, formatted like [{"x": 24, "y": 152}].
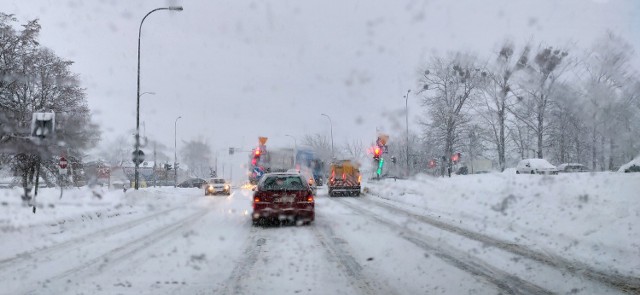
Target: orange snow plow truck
[{"x": 345, "y": 179}]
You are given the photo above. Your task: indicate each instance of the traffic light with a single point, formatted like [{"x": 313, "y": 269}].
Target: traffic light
[
  {"x": 432, "y": 163},
  {"x": 256, "y": 156},
  {"x": 455, "y": 158},
  {"x": 380, "y": 164},
  {"x": 167, "y": 167},
  {"x": 376, "y": 153}
]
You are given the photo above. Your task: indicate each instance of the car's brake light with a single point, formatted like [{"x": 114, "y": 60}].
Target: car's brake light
[
  {"x": 256, "y": 199},
  {"x": 310, "y": 199}
]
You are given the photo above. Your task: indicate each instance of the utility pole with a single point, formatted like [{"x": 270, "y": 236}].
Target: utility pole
[
  {"x": 175, "y": 152},
  {"x": 331, "y": 126},
  {"x": 406, "y": 108},
  {"x": 155, "y": 178}
]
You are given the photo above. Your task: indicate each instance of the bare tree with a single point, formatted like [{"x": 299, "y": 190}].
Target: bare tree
[
  {"x": 197, "y": 155},
  {"x": 453, "y": 81},
  {"x": 537, "y": 92},
  {"x": 566, "y": 130},
  {"x": 609, "y": 88},
  {"x": 355, "y": 150},
  {"x": 321, "y": 145},
  {"x": 498, "y": 94},
  {"x": 34, "y": 79}
]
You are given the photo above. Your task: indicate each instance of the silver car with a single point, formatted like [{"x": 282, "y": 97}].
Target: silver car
[
  {"x": 535, "y": 166},
  {"x": 217, "y": 186}
]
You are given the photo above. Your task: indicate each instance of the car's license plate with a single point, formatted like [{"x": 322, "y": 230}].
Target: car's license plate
[{"x": 287, "y": 199}]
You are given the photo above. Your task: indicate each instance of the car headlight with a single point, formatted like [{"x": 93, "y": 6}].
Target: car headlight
[
  {"x": 226, "y": 187},
  {"x": 210, "y": 188}
]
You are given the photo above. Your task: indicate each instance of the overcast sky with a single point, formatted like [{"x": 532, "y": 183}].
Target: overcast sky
[{"x": 236, "y": 70}]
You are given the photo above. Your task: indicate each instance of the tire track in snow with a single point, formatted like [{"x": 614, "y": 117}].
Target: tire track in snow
[
  {"x": 623, "y": 283},
  {"x": 352, "y": 268},
  {"x": 63, "y": 246},
  {"x": 501, "y": 279},
  {"x": 97, "y": 264},
  {"x": 233, "y": 284}
]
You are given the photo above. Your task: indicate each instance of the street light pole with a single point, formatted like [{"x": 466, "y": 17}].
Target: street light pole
[
  {"x": 175, "y": 152},
  {"x": 295, "y": 150},
  {"x": 406, "y": 111},
  {"x": 331, "y": 125},
  {"x": 137, "y": 147}
]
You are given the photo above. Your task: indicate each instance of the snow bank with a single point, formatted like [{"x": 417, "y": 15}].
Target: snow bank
[
  {"x": 589, "y": 217},
  {"x": 75, "y": 202}
]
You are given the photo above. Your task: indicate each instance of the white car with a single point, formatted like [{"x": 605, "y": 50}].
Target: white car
[
  {"x": 217, "y": 186},
  {"x": 535, "y": 166}
]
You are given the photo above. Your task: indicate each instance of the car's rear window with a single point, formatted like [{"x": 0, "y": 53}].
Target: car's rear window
[
  {"x": 284, "y": 182},
  {"x": 217, "y": 181}
]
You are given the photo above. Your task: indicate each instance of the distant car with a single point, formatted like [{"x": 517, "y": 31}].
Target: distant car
[
  {"x": 633, "y": 166},
  {"x": 535, "y": 166},
  {"x": 193, "y": 182},
  {"x": 572, "y": 167},
  {"x": 462, "y": 170},
  {"x": 217, "y": 186},
  {"x": 283, "y": 197}
]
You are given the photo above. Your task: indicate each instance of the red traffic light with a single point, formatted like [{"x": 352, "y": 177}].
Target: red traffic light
[
  {"x": 376, "y": 151},
  {"x": 257, "y": 152},
  {"x": 455, "y": 157}
]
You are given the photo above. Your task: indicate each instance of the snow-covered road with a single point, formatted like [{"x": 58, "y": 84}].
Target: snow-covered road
[{"x": 176, "y": 241}]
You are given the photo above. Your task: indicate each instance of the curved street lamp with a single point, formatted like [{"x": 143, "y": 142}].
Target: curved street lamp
[
  {"x": 137, "y": 163},
  {"x": 147, "y": 92},
  {"x": 331, "y": 125}
]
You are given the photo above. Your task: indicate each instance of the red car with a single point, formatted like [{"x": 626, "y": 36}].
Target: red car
[{"x": 283, "y": 197}]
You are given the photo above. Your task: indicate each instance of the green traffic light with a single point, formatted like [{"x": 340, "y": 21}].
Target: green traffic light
[{"x": 380, "y": 164}]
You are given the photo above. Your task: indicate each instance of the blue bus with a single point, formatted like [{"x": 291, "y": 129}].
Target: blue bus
[{"x": 307, "y": 160}]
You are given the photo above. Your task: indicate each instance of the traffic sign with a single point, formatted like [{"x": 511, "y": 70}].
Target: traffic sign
[
  {"x": 138, "y": 157},
  {"x": 43, "y": 125},
  {"x": 63, "y": 163}
]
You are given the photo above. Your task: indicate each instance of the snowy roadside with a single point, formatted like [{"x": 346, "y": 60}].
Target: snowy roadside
[
  {"x": 590, "y": 217},
  {"x": 78, "y": 203}
]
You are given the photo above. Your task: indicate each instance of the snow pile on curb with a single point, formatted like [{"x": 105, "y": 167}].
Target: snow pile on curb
[
  {"x": 76, "y": 203},
  {"x": 592, "y": 217}
]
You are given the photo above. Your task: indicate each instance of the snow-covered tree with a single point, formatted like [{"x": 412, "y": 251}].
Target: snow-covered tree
[
  {"x": 536, "y": 92},
  {"x": 197, "y": 155},
  {"x": 452, "y": 82},
  {"x": 34, "y": 79},
  {"x": 610, "y": 89},
  {"x": 498, "y": 95}
]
